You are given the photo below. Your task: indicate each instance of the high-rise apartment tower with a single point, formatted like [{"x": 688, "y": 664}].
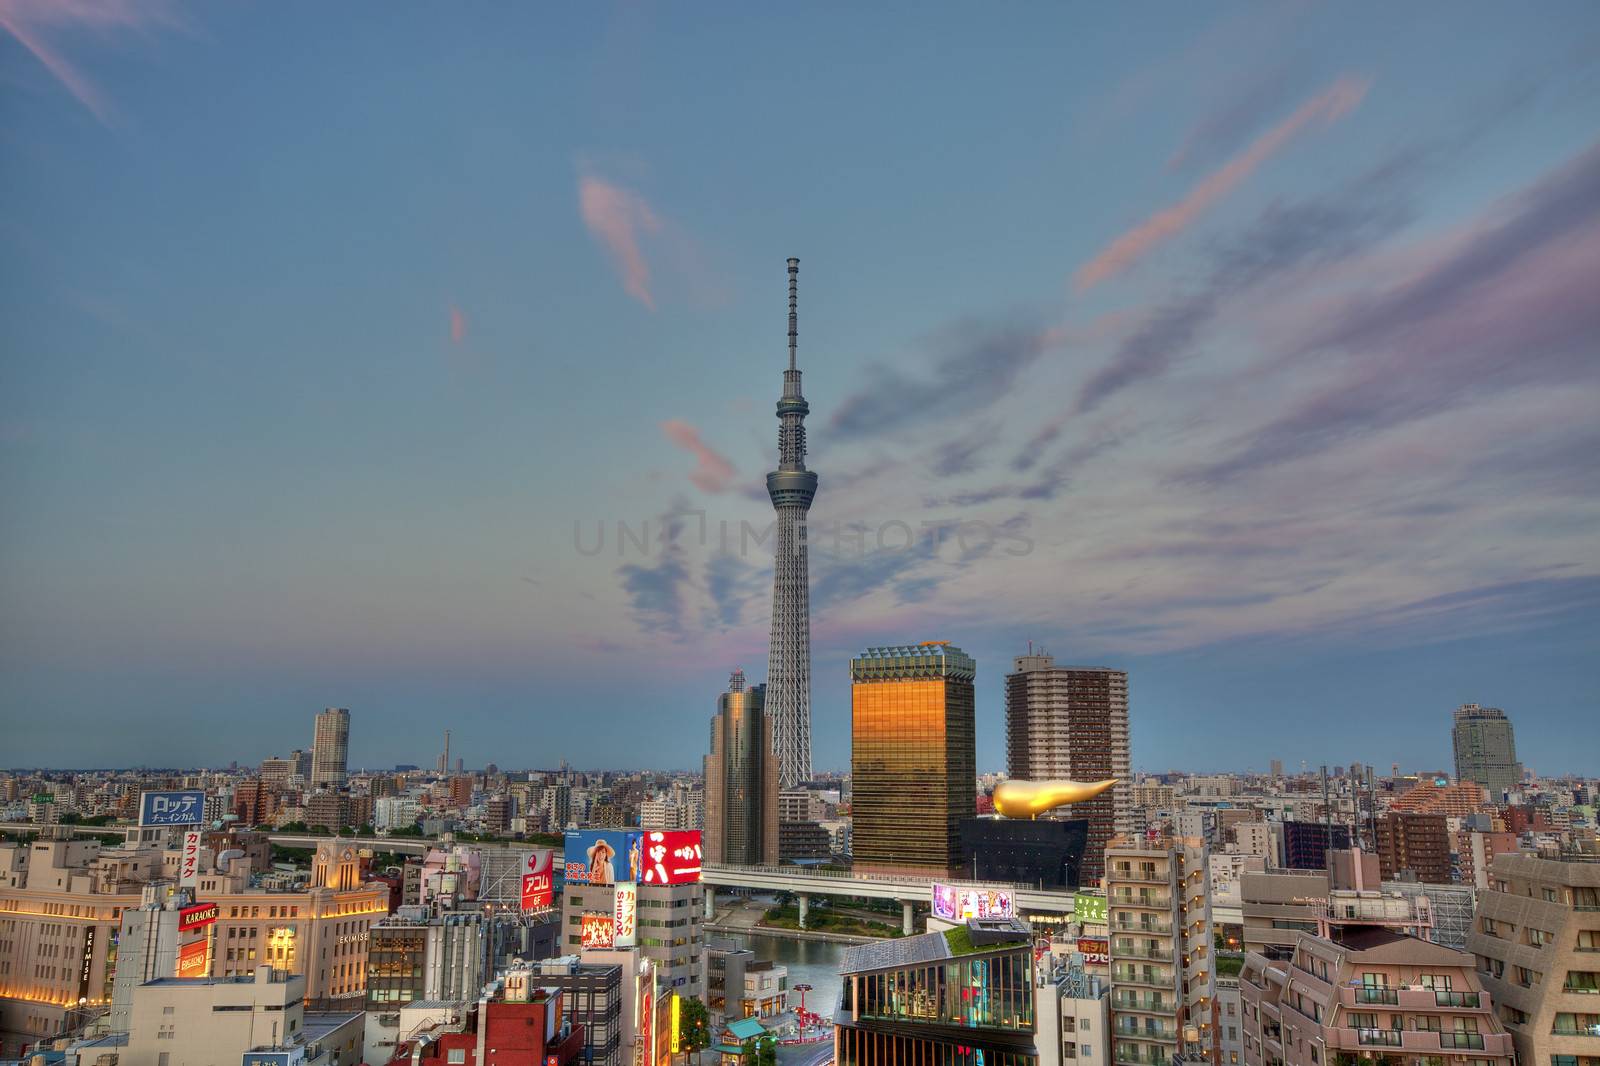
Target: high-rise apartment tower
[
  {"x": 1072, "y": 722},
  {"x": 330, "y": 747},
  {"x": 913, "y": 766},
  {"x": 791, "y": 488},
  {"x": 1486, "y": 749}
]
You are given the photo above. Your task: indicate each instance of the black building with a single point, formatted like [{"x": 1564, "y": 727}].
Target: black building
[
  {"x": 593, "y": 995},
  {"x": 1306, "y": 844},
  {"x": 1045, "y": 853},
  {"x": 803, "y": 841}
]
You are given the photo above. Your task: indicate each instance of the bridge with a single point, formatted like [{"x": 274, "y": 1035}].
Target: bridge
[{"x": 907, "y": 889}]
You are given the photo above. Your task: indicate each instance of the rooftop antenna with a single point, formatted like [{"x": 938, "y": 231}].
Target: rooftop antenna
[{"x": 794, "y": 315}]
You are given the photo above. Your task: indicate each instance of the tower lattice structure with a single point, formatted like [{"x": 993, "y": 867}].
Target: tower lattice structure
[{"x": 791, "y": 488}]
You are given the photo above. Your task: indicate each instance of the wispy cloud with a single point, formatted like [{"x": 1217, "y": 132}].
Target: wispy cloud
[
  {"x": 458, "y": 325},
  {"x": 712, "y": 473},
  {"x": 1333, "y": 103},
  {"x": 1248, "y": 100},
  {"x": 618, "y": 218},
  {"x": 982, "y": 362},
  {"x": 33, "y": 22}
]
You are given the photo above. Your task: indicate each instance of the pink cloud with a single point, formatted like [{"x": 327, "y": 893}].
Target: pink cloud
[
  {"x": 1333, "y": 103},
  {"x": 29, "y": 21},
  {"x": 617, "y": 217},
  {"x": 458, "y": 325},
  {"x": 712, "y": 473}
]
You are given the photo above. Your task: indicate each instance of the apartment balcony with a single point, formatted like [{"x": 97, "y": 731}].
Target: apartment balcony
[
  {"x": 1155, "y": 901},
  {"x": 1154, "y": 979},
  {"x": 1419, "y": 999},
  {"x": 1139, "y": 1056},
  {"x": 1420, "y": 1041},
  {"x": 1146, "y": 1003},
  {"x": 1137, "y": 876},
  {"x": 1145, "y": 928},
  {"x": 1153, "y": 954},
  {"x": 1127, "y": 1028}
]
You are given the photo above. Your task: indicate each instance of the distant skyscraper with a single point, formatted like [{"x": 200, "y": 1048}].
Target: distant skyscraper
[
  {"x": 913, "y": 768},
  {"x": 791, "y": 488},
  {"x": 741, "y": 825},
  {"x": 330, "y": 747},
  {"x": 1277, "y": 767},
  {"x": 1486, "y": 749},
  {"x": 1072, "y": 722}
]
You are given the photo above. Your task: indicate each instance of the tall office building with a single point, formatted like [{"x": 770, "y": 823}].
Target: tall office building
[
  {"x": 912, "y": 763},
  {"x": 791, "y": 488},
  {"x": 1486, "y": 749},
  {"x": 330, "y": 747},
  {"x": 741, "y": 780},
  {"x": 1072, "y": 722}
]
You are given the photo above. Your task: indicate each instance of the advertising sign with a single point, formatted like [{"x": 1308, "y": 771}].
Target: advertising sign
[
  {"x": 625, "y": 916},
  {"x": 1089, "y": 908},
  {"x": 189, "y": 859},
  {"x": 192, "y": 958},
  {"x": 538, "y": 882},
  {"x": 955, "y": 904},
  {"x": 275, "y": 1058},
  {"x": 201, "y": 914},
  {"x": 1095, "y": 950},
  {"x": 86, "y": 963},
  {"x": 197, "y": 916},
  {"x": 597, "y": 931},
  {"x": 671, "y": 858},
  {"x": 677, "y": 1032},
  {"x": 172, "y": 808},
  {"x": 601, "y": 856}
]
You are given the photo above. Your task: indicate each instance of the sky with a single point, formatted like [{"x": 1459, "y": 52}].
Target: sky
[{"x": 421, "y": 360}]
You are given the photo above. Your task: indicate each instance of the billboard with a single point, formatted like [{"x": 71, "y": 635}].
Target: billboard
[
  {"x": 601, "y": 856},
  {"x": 172, "y": 808},
  {"x": 1087, "y": 908},
  {"x": 538, "y": 881},
  {"x": 955, "y": 904},
  {"x": 625, "y": 916},
  {"x": 671, "y": 858},
  {"x": 1095, "y": 950},
  {"x": 86, "y": 963},
  {"x": 189, "y": 859},
  {"x": 677, "y": 1027},
  {"x": 192, "y": 958},
  {"x": 198, "y": 916},
  {"x": 597, "y": 930}
]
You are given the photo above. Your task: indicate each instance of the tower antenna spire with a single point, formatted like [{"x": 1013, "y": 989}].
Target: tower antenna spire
[{"x": 794, "y": 303}]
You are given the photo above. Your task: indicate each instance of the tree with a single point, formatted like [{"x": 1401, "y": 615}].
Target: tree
[{"x": 694, "y": 1026}]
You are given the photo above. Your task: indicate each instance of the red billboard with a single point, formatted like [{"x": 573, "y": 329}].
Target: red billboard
[
  {"x": 597, "y": 930},
  {"x": 201, "y": 914},
  {"x": 538, "y": 881},
  {"x": 671, "y": 858},
  {"x": 1095, "y": 950},
  {"x": 192, "y": 959}
]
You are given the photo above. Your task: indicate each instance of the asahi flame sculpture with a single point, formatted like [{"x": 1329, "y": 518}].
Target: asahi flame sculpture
[{"x": 1029, "y": 799}]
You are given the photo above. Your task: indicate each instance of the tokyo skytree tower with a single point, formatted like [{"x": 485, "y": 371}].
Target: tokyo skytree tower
[{"x": 791, "y": 488}]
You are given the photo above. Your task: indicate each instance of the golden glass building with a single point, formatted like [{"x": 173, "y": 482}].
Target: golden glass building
[{"x": 912, "y": 764}]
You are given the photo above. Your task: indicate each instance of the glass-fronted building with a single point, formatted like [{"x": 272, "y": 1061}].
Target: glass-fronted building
[
  {"x": 912, "y": 761},
  {"x": 960, "y": 997}
]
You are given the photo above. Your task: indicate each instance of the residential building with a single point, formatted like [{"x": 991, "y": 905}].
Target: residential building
[
  {"x": 1460, "y": 800},
  {"x": 330, "y": 747},
  {"x": 1414, "y": 847},
  {"x": 912, "y": 759},
  {"x": 1537, "y": 944},
  {"x": 1163, "y": 980},
  {"x": 1486, "y": 749},
  {"x": 1074, "y": 1025},
  {"x": 595, "y": 998},
  {"x": 1071, "y": 722},
  {"x": 670, "y": 928},
  {"x": 1366, "y": 992},
  {"x": 741, "y": 775},
  {"x": 1306, "y": 844},
  {"x": 964, "y": 996}
]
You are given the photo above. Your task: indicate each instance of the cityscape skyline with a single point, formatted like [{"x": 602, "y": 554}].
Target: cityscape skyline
[{"x": 1227, "y": 408}]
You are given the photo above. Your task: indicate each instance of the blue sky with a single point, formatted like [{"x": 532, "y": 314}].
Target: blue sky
[{"x": 1252, "y": 349}]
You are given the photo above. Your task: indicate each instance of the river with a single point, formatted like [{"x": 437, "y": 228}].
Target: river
[{"x": 810, "y": 962}]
